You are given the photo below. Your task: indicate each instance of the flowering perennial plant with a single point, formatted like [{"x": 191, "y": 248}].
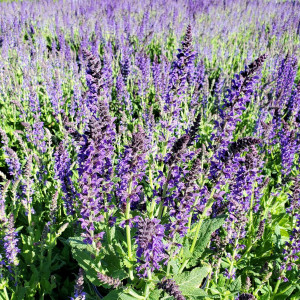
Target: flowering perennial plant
[{"x": 152, "y": 145}]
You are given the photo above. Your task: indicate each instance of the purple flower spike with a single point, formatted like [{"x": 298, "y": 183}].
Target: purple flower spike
[
  {"x": 78, "y": 289},
  {"x": 151, "y": 250},
  {"x": 170, "y": 286},
  {"x": 10, "y": 242}
]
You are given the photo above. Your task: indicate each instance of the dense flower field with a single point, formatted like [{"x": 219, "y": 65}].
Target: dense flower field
[{"x": 150, "y": 149}]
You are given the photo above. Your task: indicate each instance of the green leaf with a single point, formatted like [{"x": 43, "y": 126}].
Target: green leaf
[
  {"x": 277, "y": 236},
  {"x": 286, "y": 294},
  {"x": 208, "y": 227},
  {"x": 82, "y": 253},
  {"x": 128, "y": 264},
  {"x": 174, "y": 265},
  {"x": 119, "y": 249},
  {"x": 296, "y": 296},
  {"x": 20, "y": 294},
  {"x": 84, "y": 258},
  {"x": 221, "y": 280},
  {"x": 193, "y": 293},
  {"x": 62, "y": 229},
  {"x": 265, "y": 296},
  {"x": 193, "y": 279},
  {"x": 154, "y": 295},
  {"x": 113, "y": 295},
  {"x": 186, "y": 250},
  {"x": 236, "y": 285},
  {"x": 114, "y": 266},
  {"x": 77, "y": 242},
  {"x": 124, "y": 296}
]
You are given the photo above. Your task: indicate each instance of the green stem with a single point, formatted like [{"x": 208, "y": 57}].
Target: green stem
[
  {"x": 134, "y": 294},
  {"x": 191, "y": 212},
  {"x": 283, "y": 291},
  {"x": 276, "y": 288},
  {"x": 128, "y": 237},
  {"x": 147, "y": 287},
  {"x": 49, "y": 258},
  {"x": 208, "y": 281},
  {"x": 29, "y": 209},
  {"x": 207, "y": 207},
  {"x": 251, "y": 213},
  {"x": 153, "y": 203},
  {"x": 161, "y": 204},
  {"x": 232, "y": 261},
  {"x": 245, "y": 253},
  {"x": 217, "y": 270},
  {"x": 169, "y": 265},
  {"x": 5, "y": 293},
  {"x": 234, "y": 253}
]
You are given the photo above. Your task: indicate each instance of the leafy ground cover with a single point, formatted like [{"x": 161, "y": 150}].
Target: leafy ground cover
[{"x": 149, "y": 150}]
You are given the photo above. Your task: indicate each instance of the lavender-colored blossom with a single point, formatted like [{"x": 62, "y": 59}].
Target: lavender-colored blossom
[
  {"x": 241, "y": 192},
  {"x": 27, "y": 188},
  {"x": 231, "y": 274},
  {"x": 122, "y": 94},
  {"x": 3, "y": 217},
  {"x": 193, "y": 130},
  {"x": 286, "y": 76},
  {"x": 4, "y": 138},
  {"x": 289, "y": 147},
  {"x": 95, "y": 170},
  {"x": 218, "y": 91},
  {"x": 292, "y": 249},
  {"x": 293, "y": 106},
  {"x": 156, "y": 75},
  {"x": 197, "y": 82},
  {"x": 10, "y": 242},
  {"x": 245, "y": 296},
  {"x": 94, "y": 79},
  {"x": 151, "y": 250},
  {"x": 35, "y": 134},
  {"x": 78, "y": 289},
  {"x": 234, "y": 104},
  {"x": 171, "y": 288},
  {"x": 179, "y": 72},
  {"x": 113, "y": 282},
  {"x": 178, "y": 149},
  {"x": 13, "y": 162},
  {"x": 131, "y": 168},
  {"x": 95, "y": 155},
  {"x": 125, "y": 66},
  {"x": 63, "y": 173},
  {"x": 143, "y": 63},
  {"x": 184, "y": 200}
]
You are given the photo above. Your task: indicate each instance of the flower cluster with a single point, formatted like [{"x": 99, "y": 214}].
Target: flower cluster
[
  {"x": 78, "y": 289},
  {"x": 151, "y": 249},
  {"x": 170, "y": 287},
  {"x": 63, "y": 173},
  {"x": 11, "y": 242},
  {"x": 131, "y": 168}
]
